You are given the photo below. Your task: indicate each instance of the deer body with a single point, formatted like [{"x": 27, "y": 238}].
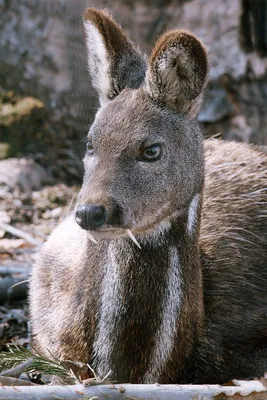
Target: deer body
[{"x": 190, "y": 304}]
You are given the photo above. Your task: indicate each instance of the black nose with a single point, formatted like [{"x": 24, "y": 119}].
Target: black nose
[{"x": 90, "y": 216}]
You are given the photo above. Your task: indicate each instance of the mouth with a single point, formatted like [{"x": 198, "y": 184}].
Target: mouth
[
  {"x": 112, "y": 233},
  {"x": 107, "y": 233},
  {"x": 136, "y": 232}
]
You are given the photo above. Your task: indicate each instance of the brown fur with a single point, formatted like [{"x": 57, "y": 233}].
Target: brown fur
[
  {"x": 190, "y": 305},
  {"x": 115, "y": 40},
  {"x": 121, "y": 54},
  {"x": 190, "y": 66}
]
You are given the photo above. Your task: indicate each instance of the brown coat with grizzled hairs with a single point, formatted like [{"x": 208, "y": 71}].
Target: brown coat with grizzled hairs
[{"x": 191, "y": 304}]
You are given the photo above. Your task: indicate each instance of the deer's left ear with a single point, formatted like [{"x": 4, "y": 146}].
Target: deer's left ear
[
  {"x": 177, "y": 72},
  {"x": 114, "y": 63}
]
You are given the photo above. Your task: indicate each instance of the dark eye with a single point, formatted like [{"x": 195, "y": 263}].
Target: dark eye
[
  {"x": 151, "y": 153},
  {"x": 89, "y": 147}
]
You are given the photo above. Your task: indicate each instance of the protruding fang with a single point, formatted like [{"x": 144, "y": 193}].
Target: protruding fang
[
  {"x": 91, "y": 238},
  {"x": 131, "y": 236}
]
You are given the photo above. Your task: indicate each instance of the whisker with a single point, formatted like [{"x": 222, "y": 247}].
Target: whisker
[
  {"x": 19, "y": 283},
  {"x": 70, "y": 205}
]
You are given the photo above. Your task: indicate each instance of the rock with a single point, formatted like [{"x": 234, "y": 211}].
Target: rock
[
  {"x": 216, "y": 106},
  {"x": 23, "y": 175},
  {"x": 4, "y": 217}
]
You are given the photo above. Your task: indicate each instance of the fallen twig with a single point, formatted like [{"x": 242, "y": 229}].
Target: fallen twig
[
  {"x": 19, "y": 233},
  {"x": 6, "y": 381},
  {"x": 15, "y": 372},
  {"x": 24, "y": 250},
  {"x": 249, "y": 390}
]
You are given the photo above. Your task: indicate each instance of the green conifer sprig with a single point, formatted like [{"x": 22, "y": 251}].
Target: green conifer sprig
[{"x": 18, "y": 354}]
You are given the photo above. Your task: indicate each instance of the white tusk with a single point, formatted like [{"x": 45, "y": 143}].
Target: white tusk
[
  {"x": 131, "y": 235},
  {"x": 91, "y": 238}
]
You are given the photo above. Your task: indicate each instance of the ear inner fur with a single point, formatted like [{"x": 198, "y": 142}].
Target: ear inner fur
[
  {"x": 177, "y": 71},
  {"x": 122, "y": 65},
  {"x": 112, "y": 35}
]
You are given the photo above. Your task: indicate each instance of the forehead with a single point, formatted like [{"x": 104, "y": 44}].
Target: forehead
[{"x": 131, "y": 118}]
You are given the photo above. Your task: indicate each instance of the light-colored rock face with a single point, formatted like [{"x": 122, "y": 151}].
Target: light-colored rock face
[
  {"x": 217, "y": 23},
  {"x": 221, "y": 38},
  {"x": 20, "y": 174}
]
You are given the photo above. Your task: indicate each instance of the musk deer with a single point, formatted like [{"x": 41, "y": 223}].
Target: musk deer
[{"x": 186, "y": 299}]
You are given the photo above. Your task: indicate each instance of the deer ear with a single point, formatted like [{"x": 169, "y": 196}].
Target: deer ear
[
  {"x": 114, "y": 63},
  {"x": 177, "y": 72}
]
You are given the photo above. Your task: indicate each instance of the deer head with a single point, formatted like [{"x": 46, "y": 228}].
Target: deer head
[{"x": 144, "y": 160}]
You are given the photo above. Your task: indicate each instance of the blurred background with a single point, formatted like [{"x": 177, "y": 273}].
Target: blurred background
[{"x": 47, "y": 104}]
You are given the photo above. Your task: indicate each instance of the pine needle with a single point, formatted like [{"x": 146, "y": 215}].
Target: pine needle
[{"x": 18, "y": 354}]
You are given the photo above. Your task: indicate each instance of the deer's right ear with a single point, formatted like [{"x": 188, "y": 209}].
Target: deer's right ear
[
  {"x": 114, "y": 63},
  {"x": 177, "y": 72}
]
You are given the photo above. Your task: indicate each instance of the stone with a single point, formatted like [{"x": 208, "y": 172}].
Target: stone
[{"x": 21, "y": 174}]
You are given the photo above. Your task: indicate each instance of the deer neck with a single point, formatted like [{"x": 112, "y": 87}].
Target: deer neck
[{"x": 151, "y": 307}]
